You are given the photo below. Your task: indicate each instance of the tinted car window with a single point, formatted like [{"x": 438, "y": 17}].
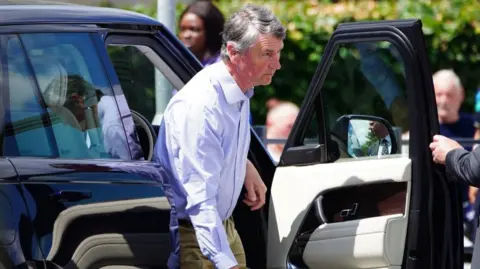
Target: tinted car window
[
  {"x": 136, "y": 69},
  {"x": 366, "y": 80},
  {"x": 61, "y": 104}
]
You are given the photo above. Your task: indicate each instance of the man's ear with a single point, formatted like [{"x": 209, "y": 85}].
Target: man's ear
[{"x": 231, "y": 51}]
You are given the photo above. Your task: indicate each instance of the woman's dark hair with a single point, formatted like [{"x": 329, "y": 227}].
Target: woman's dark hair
[{"x": 213, "y": 22}]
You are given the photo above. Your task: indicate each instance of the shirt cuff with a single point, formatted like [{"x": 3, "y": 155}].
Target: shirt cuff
[{"x": 222, "y": 261}]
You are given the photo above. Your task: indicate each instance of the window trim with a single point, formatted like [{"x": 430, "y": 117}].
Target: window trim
[
  {"x": 46, "y": 123},
  {"x": 164, "y": 66},
  {"x": 313, "y": 101}
]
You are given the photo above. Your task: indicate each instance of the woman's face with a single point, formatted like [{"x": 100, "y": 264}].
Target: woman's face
[{"x": 192, "y": 33}]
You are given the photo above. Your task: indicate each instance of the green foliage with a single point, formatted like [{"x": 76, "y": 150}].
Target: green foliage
[
  {"x": 450, "y": 27},
  {"x": 371, "y": 140}
]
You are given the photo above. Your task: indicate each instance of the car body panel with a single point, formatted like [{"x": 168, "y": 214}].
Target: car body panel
[
  {"x": 18, "y": 243},
  {"x": 71, "y": 14},
  {"x": 92, "y": 204}
]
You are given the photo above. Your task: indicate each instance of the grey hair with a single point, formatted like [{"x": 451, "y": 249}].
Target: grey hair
[
  {"x": 244, "y": 26},
  {"x": 448, "y": 76}
]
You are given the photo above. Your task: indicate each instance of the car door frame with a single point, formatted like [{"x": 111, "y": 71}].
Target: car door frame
[{"x": 426, "y": 241}]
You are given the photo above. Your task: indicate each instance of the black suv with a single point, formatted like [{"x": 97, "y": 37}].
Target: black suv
[{"x": 78, "y": 125}]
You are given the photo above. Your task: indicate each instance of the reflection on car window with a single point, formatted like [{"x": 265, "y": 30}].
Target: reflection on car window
[
  {"x": 66, "y": 109},
  {"x": 136, "y": 72},
  {"x": 366, "y": 79}
]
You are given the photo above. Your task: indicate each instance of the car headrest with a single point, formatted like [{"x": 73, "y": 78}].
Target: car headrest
[{"x": 52, "y": 78}]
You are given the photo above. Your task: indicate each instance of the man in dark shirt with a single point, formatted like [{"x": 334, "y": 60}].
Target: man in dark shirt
[
  {"x": 463, "y": 127},
  {"x": 449, "y": 95}
]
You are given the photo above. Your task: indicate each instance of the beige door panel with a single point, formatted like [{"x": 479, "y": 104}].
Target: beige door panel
[
  {"x": 125, "y": 251},
  {"x": 372, "y": 241},
  {"x": 69, "y": 215},
  {"x": 367, "y": 243}
]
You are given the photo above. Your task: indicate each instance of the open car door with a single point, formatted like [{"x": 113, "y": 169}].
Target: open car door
[{"x": 347, "y": 192}]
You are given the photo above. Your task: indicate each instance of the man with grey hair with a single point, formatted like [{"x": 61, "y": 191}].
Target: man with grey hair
[
  {"x": 449, "y": 95},
  {"x": 204, "y": 140}
]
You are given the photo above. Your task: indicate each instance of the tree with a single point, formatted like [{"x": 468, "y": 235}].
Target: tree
[{"x": 450, "y": 27}]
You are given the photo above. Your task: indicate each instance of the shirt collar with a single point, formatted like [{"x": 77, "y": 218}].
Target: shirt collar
[
  {"x": 211, "y": 60},
  {"x": 233, "y": 93}
]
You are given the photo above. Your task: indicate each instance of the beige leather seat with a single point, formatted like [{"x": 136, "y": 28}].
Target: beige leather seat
[
  {"x": 52, "y": 78},
  {"x": 53, "y": 82}
]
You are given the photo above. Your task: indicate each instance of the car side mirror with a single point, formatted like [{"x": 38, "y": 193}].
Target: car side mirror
[{"x": 364, "y": 136}]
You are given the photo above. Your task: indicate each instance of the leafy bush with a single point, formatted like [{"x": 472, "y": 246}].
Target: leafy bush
[{"x": 450, "y": 28}]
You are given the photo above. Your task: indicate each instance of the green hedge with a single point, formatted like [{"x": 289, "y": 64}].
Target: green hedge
[{"x": 450, "y": 27}]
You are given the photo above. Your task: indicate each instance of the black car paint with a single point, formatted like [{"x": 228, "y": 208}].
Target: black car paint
[
  {"x": 17, "y": 240},
  {"x": 58, "y": 185}
]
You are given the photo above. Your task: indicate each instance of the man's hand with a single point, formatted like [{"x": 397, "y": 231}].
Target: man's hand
[
  {"x": 256, "y": 189},
  {"x": 441, "y": 146},
  {"x": 472, "y": 194}
]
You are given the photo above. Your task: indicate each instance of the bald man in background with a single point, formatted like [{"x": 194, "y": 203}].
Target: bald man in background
[{"x": 280, "y": 120}]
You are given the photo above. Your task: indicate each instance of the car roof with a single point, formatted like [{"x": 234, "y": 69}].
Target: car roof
[{"x": 46, "y": 12}]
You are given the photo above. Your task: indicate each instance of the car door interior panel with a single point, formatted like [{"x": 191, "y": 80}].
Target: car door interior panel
[
  {"x": 360, "y": 197},
  {"x": 124, "y": 231},
  {"x": 121, "y": 250},
  {"x": 371, "y": 240},
  {"x": 377, "y": 242},
  {"x": 364, "y": 201},
  {"x": 72, "y": 214}
]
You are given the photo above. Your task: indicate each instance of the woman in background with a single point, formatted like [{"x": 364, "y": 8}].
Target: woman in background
[{"x": 200, "y": 27}]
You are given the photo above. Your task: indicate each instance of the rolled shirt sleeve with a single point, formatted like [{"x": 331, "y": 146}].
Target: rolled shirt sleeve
[{"x": 196, "y": 143}]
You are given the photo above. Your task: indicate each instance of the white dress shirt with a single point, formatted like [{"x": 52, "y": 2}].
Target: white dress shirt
[{"x": 203, "y": 143}]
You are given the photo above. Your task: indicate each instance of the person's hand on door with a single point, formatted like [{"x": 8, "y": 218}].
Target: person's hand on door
[
  {"x": 441, "y": 146},
  {"x": 472, "y": 194}
]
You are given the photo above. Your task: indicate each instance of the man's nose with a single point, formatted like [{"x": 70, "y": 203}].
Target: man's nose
[{"x": 276, "y": 64}]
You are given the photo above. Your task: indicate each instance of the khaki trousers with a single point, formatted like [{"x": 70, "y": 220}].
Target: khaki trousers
[{"x": 192, "y": 258}]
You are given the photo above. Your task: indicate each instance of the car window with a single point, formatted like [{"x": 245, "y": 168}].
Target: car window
[
  {"x": 363, "y": 95},
  {"x": 138, "y": 67},
  {"x": 61, "y": 103}
]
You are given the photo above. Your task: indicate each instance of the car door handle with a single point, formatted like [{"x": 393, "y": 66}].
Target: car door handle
[
  {"x": 71, "y": 196},
  {"x": 349, "y": 212}
]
